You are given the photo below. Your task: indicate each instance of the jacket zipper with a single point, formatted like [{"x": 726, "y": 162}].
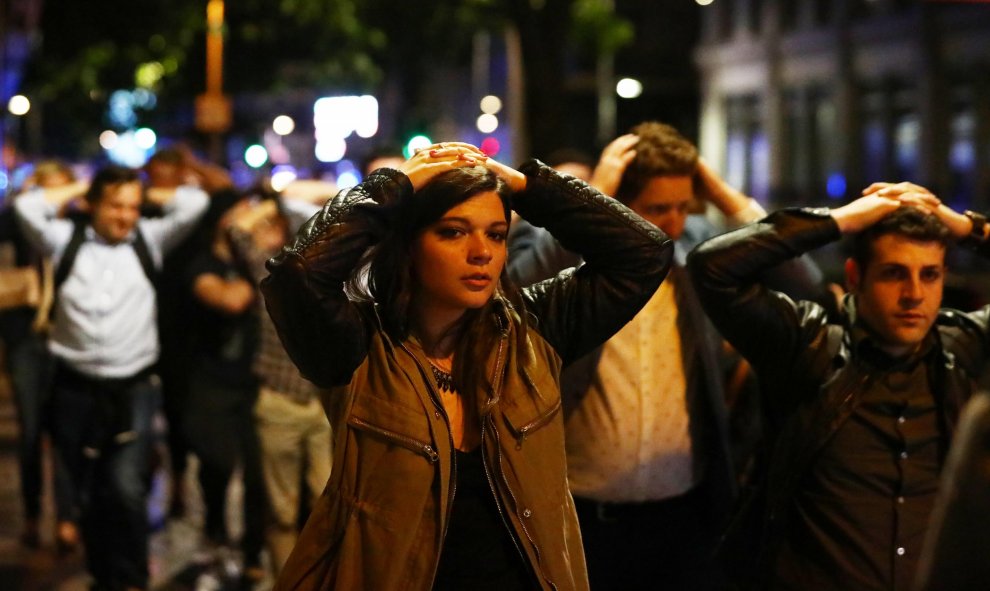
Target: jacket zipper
[
  {"x": 498, "y": 460},
  {"x": 538, "y": 423},
  {"x": 419, "y": 447},
  {"x": 501, "y": 511},
  {"x": 435, "y": 399}
]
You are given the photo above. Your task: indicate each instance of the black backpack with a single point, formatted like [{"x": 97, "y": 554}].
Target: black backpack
[{"x": 79, "y": 236}]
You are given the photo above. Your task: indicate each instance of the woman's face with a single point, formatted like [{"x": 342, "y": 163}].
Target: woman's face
[{"x": 457, "y": 259}]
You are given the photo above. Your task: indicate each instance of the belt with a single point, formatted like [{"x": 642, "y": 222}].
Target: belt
[{"x": 609, "y": 512}]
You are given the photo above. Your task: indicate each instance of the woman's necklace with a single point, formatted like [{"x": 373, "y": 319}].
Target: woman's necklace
[{"x": 445, "y": 381}]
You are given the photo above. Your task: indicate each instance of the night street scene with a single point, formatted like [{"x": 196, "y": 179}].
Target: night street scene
[{"x": 505, "y": 295}]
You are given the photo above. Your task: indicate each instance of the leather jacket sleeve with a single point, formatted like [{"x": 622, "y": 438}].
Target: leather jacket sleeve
[
  {"x": 765, "y": 326},
  {"x": 325, "y": 333},
  {"x": 535, "y": 255},
  {"x": 626, "y": 258}
]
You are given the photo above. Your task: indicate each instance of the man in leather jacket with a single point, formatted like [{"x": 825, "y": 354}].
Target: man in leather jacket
[{"x": 860, "y": 413}]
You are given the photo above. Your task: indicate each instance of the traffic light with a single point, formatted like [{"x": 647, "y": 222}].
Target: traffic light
[{"x": 415, "y": 142}]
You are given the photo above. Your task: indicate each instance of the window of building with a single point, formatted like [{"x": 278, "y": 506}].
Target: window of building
[
  {"x": 747, "y": 149},
  {"x": 868, "y": 8},
  {"x": 874, "y": 150},
  {"x": 811, "y": 163},
  {"x": 907, "y": 138},
  {"x": 962, "y": 151},
  {"x": 823, "y": 12},
  {"x": 891, "y": 133},
  {"x": 756, "y": 16},
  {"x": 827, "y": 172},
  {"x": 788, "y": 15}
]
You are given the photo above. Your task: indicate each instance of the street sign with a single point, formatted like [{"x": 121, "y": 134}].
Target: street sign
[{"x": 213, "y": 113}]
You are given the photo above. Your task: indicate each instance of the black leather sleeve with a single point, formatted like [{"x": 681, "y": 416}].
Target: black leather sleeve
[
  {"x": 325, "y": 333},
  {"x": 767, "y": 327},
  {"x": 625, "y": 257}
]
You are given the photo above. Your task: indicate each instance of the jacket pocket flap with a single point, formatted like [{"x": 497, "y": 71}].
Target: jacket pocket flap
[
  {"x": 394, "y": 423},
  {"x": 525, "y": 419}
]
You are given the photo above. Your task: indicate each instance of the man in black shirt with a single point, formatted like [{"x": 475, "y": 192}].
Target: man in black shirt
[{"x": 860, "y": 413}]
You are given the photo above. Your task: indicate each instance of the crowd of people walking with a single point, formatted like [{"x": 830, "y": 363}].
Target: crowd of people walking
[{"x": 619, "y": 373}]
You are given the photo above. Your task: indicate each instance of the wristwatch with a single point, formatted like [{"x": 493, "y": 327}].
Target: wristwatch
[{"x": 979, "y": 231}]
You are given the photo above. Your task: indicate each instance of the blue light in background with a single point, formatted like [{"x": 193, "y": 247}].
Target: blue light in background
[{"x": 836, "y": 185}]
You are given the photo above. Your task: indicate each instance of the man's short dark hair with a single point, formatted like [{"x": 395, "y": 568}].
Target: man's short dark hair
[
  {"x": 568, "y": 155},
  {"x": 109, "y": 176},
  {"x": 909, "y": 222},
  {"x": 170, "y": 155},
  {"x": 380, "y": 151},
  {"x": 661, "y": 151}
]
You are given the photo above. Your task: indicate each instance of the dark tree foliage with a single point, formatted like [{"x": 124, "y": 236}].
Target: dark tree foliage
[{"x": 87, "y": 50}]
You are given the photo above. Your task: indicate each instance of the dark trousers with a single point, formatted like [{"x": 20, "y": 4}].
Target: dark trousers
[
  {"x": 659, "y": 546},
  {"x": 30, "y": 367},
  {"x": 221, "y": 432},
  {"x": 103, "y": 427},
  {"x": 175, "y": 388}
]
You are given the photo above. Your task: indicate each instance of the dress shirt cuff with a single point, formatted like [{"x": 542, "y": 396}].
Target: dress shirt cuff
[{"x": 751, "y": 213}]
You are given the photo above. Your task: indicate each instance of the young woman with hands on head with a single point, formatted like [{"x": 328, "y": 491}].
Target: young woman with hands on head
[{"x": 449, "y": 468}]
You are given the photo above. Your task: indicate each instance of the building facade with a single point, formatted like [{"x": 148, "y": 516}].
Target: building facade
[{"x": 806, "y": 101}]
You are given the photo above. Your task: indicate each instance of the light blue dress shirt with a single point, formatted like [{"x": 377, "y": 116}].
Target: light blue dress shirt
[{"x": 105, "y": 316}]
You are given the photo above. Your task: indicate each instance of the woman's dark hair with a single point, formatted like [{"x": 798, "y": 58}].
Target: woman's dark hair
[
  {"x": 109, "y": 176},
  {"x": 389, "y": 275}
]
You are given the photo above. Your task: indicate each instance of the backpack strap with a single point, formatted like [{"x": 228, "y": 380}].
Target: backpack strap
[
  {"x": 79, "y": 236},
  {"x": 69, "y": 254},
  {"x": 144, "y": 256}
]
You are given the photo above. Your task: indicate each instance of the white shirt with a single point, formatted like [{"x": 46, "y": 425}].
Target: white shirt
[
  {"x": 105, "y": 317},
  {"x": 628, "y": 439}
]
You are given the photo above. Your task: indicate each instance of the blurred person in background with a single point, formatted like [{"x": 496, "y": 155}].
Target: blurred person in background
[
  {"x": 25, "y": 302},
  {"x": 385, "y": 155},
  {"x": 219, "y": 419},
  {"x": 104, "y": 341},
  {"x": 524, "y": 237},
  {"x": 294, "y": 434},
  {"x": 166, "y": 170},
  {"x": 652, "y": 461}
]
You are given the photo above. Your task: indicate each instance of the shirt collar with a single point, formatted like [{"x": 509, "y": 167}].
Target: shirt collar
[{"x": 93, "y": 236}]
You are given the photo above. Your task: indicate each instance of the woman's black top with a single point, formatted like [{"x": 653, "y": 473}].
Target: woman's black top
[{"x": 478, "y": 552}]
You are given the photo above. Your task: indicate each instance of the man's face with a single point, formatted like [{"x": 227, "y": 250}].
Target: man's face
[
  {"x": 117, "y": 211},
  {"x": 899, "y": 293},
  {"x": 664, "y": 203},
  {"x": 164, "y": 175}
]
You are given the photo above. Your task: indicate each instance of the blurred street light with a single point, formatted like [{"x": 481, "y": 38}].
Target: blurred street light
[
  {"x": 283, "y": 125},
  {"x": 19, "y": 105},
  {"x": 487, "y": 123},
  {"x": 491, "y": 104},
  {"x": 629, "y": 88},
  {"x": 255, "y": 156}
]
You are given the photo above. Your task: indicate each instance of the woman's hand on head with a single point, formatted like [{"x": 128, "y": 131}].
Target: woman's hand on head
[
  {"x": 512, "y": 177},
  {"x": 439, "y": 158}
]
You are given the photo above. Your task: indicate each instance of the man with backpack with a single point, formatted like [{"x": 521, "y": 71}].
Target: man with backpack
[{"x": 105, "y": 343}]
